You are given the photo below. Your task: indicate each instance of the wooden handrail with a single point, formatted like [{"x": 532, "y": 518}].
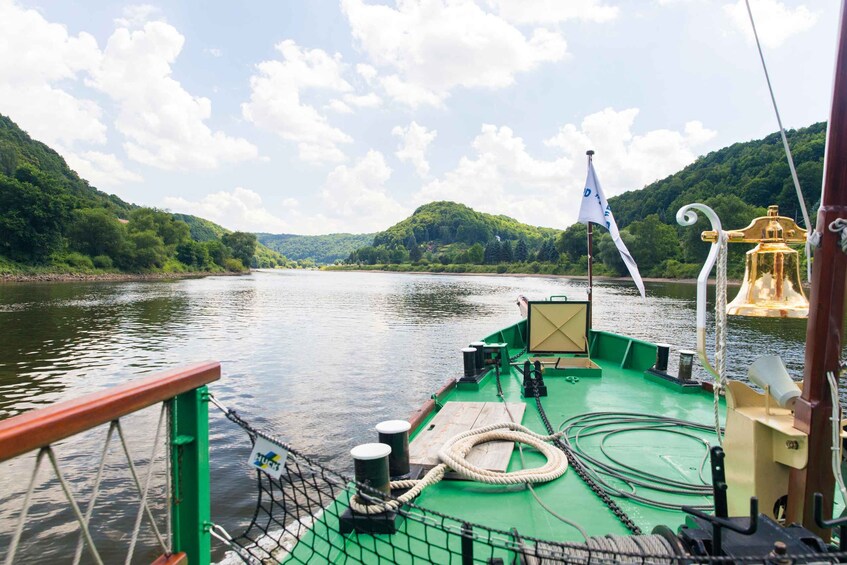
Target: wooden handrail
[{"x": 41, "y": 427}]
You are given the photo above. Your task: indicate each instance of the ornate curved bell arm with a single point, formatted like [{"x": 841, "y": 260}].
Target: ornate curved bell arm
[{"x": 687, "y": 216}]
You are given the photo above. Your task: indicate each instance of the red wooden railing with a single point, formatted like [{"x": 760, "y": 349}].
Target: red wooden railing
[{"x": 39, "y": 428}]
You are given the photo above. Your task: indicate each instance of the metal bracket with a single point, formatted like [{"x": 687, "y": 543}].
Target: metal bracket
[
  {"x": 720, "y": 519},
  {"x": 840, "y": 523}
]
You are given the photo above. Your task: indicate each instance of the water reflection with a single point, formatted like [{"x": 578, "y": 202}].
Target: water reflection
[{"x": 317, "y": 357}]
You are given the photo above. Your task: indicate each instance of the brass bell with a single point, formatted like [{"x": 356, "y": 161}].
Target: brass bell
[{"x": 772, "y": 286}]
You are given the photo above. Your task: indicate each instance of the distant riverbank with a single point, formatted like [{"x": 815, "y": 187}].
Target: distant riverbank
[
  {"x": 108, "y": 277},
  {"x": 541, "y": 275}
]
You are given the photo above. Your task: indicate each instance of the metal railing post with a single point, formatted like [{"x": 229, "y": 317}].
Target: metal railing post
[{"x": 190, "y": 503}]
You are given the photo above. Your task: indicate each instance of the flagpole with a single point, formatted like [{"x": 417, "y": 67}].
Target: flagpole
[{"x": 590, "y": 231}]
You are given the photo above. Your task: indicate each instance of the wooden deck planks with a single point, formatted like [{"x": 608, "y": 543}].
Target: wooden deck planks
[{"x": 457, "y": 417}]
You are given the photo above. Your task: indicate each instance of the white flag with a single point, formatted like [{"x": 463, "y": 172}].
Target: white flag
[{"x": 594, "y": 208}]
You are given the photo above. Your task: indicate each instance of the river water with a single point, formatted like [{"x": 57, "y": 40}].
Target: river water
[{"x": 316, "y": 357}]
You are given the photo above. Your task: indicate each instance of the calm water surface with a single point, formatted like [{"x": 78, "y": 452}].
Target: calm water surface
[{"x": 316, "y": 357}]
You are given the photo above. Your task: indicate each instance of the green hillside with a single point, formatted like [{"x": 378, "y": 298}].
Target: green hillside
[
  {"x": 322, "y": 249},
  {"x": 18, "y": 151},
  {"x": 756, "y": 172},
  {"x": 203, "y": 230},
  {"x": 51, "y": 220},
  {"x": 451, "y": 233},
  {"x": 738, "y": 181}
]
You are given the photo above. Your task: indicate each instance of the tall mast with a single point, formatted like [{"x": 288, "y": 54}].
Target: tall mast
[
  {"x": 826, "y": 314},
  {"x": 590, "y": 232}
]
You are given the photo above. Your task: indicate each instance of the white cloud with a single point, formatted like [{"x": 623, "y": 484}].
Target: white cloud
[
  {"x": 103, "y": 170},
  {"x": 367, "y": 72},
  {"x": 630, "y": 161},
  {"x": 164, "y": 125},
  {"x": 434, "y": 46},
  {"x": 775, "y": 22},
  {"x": 275, "y": 100},
  {"x": 410, "y": 94},
  {"x": 213, "y": 51},
  {"x": 356, "y": 197},
  {"x": 136, "y": 15},
  {"x": 242, "y": 209},
  {"x": 39, "y": 63},
  {"x": 371, "y": 100},
  {"x": 414, "y": 140},
  {"x": 552, "y": 11},
  {"x": 339, "y": 106},
  {"x": 503, "y": 177}
]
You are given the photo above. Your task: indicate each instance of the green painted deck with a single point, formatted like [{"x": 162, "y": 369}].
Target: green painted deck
[
  {"x": 622, "y": 388},
  {"x": 618, "y": 390}
]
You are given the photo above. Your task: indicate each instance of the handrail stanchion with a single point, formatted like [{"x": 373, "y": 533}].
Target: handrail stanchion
[
  {"x": 191, "y": 505},
  {"x": 184, "y": 391}
]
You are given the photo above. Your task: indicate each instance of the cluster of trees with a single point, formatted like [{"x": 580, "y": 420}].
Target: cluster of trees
[
  {"x": 738, "y": 182},
  {"x": 50, "y": 216},
  {"x": 43, "y": 223},
  {"x": 315, "y": 249},
  {"x": 660, "y": 249}
]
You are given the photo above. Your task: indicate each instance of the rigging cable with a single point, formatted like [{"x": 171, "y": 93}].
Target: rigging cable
[
  {"x": 810, "y": 238},
  {"x": 605, "y": 468},
  {"x": 720, "y": 331},
  {"x": 541, "y": 503},
  {"x": 836, "y": 435}
]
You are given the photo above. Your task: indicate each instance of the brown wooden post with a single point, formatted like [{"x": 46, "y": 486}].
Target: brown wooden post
[{"x": 826, "y": 315}]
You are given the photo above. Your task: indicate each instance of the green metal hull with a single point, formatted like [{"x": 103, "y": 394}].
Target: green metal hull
[{"x": 623, "y": 387}]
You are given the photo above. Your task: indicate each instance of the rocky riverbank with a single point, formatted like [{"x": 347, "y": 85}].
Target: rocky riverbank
[{"x": 106, "y": 277}]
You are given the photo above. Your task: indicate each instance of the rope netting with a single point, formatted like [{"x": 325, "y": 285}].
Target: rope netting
[
  {"x": 134, "y": 506},
  {"x": 304, "y": 517}
]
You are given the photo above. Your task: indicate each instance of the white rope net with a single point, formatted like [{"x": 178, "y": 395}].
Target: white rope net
[{"x": 144, "y": 525}]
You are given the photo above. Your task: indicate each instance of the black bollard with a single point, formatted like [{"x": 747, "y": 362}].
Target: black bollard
[
  {"x": 686, "y": 364},
  {"x": 395, "y": 434},
  {"x": 480, "y": 355},
  {"x": 370, "y": 465},
  {"x": 663, "y": 351}
]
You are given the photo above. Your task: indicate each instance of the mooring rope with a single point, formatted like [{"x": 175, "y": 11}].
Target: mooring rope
[{"x": 453, "y": 457}]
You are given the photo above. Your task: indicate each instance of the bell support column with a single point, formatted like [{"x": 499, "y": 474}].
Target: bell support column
[{"x": 826, "y": 315}]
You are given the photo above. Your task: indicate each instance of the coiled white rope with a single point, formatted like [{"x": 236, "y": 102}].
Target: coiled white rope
[
  {"x": 840, "y": 225},
  {"x": 453, "y": 456}
]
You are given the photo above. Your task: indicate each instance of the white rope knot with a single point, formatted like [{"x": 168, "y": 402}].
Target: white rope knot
[
  {"x": 840, "y": 226},
  {"x": 453, "y": 453}
]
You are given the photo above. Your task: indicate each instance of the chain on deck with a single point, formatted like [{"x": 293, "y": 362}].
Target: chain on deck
[{"x": 297, "y": 516}]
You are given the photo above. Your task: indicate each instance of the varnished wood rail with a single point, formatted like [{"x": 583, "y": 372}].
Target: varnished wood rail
[{"x": 38, "y": 428}]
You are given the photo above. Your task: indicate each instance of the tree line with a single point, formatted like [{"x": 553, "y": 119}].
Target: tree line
[
  {"x": 44, "y": 224},
  {"x": 738, "y": 182}
]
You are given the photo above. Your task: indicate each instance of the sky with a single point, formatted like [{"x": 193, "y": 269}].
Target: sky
[{"x": 320, "y": 116}]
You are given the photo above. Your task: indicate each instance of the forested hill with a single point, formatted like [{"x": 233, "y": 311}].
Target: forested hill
[
  {"x": 321, "y": 249},
  {"x": 738, "y": 182},
  {"x": 448, "y": 233},
  {"x": 755, "y": 171},
  {"x": 19, "y": 151},
  {"x": 448, "y": 222},
  {"x": 53, "y": 221}
]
